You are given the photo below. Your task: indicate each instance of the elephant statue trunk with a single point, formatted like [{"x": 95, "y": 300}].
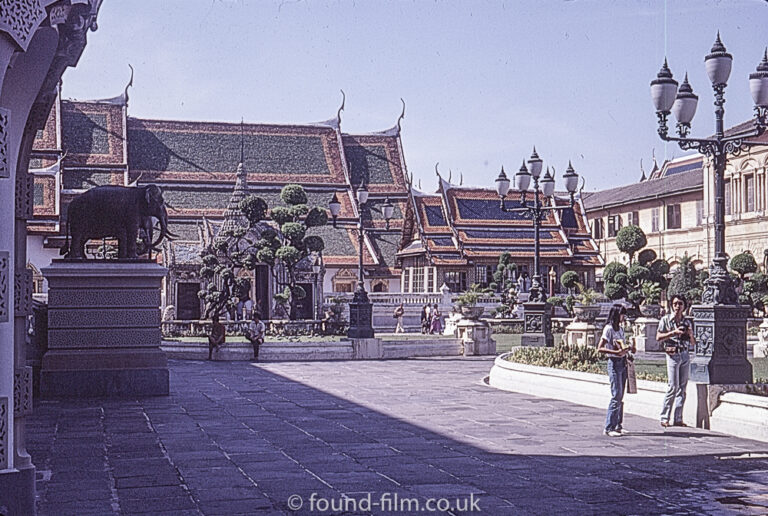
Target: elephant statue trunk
[{"x": 118, "y": 212}]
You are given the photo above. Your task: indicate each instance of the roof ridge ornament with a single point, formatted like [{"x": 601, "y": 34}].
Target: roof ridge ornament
[
  {"x": 130, "y": 83},
  {"x": 402, "y": 115},
  {"x": 341, "y": 108}
]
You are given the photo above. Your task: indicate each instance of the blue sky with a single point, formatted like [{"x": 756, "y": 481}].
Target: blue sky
[{"x": 483, "y": 81}]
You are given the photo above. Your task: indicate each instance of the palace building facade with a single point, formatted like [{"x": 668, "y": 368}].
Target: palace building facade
[{"x": 675, "y": 206}]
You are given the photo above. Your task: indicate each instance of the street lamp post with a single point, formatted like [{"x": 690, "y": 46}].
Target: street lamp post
[
  {"x": 360, "y": 309},
  {"x": 536, "y": 312},
  {"x": 317, "y": 266},
  {"x": 720, "y": 322}
]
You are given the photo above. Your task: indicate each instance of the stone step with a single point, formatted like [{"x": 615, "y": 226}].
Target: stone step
[
  {"x": 422, "y": 348},
  {"x": 269, "y": 351}
]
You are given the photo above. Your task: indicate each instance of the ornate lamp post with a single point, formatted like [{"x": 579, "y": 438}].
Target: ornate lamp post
[
  {"x": 538, "y": 327},
  {"x": 360, "y": 309},
  {"x": 720, "y": 322},
  {"x": 317, "y": 265}
]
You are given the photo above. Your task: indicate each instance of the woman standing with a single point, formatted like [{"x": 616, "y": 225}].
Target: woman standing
[
  {"x": 613, "y": 344},
  {"x": 437, "y": 321},
  {"x": 676, "y": 334},
  {"x": 398, "y": 314}
]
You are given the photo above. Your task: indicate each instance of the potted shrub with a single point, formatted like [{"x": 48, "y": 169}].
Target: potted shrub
[
  {"x": 582, "y": 305},
  {"x": 651, "y": 298},
  {"x": 467, "y": 301}
]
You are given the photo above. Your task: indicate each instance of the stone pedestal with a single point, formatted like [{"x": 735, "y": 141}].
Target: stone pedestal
[
  {"x": 645, "y": 329},
  {"x": 360, "y": 316},
  {"x": 537, "y": 326},
  {"x": 475, "y": 337},
  {"x": 104, "y": 330},
  {"x": 581, "y": 333},
  {"x": 367, "y": 349},
  {"x": 761, "y": 348},
  {"x": 721, "y": 345}
]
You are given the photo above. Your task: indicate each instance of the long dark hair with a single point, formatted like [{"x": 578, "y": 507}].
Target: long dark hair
[{"x": 614, "y": 316}]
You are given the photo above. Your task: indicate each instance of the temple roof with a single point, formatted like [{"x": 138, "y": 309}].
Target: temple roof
[
  {"x": 462, "y": 223},
  {"x": 375, "y": 160},
  {"x": 176, "y": 151}
]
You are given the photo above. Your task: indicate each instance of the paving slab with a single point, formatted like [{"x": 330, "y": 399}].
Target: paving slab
[{"x": 297, "y": 438}]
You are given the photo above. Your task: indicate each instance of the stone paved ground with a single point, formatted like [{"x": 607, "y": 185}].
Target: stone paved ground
[{"x": 236, "y": 438}]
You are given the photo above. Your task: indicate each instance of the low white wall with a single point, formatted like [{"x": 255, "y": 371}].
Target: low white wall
[{"x": 741, "y": 415}]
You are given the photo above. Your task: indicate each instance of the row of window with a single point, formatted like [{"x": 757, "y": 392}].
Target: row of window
[{"x": 673, "y": 220}]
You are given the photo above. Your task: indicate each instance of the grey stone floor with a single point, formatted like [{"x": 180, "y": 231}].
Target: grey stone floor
[{"x": 239, "y": 438}]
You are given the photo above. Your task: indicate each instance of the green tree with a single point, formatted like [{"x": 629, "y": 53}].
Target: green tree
[
  {"x": 743, "y": 264},
  {"x": 504, "y": 284},
  {"x": 636, "y": 283},
  {"x": 260, "y": 243},
  {"x": 685, "y": 281},
  {"x": 630, "y": 239}
]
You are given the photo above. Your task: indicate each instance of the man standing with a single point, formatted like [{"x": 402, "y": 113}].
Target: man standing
[
  {"x": 217, "y": 336},
  {"x": 255, "y": 333}
]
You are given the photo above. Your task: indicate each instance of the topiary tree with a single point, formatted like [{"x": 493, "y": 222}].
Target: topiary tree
[
  {"x": 630, "y": 239},
  {"x": 755, "y": 292},
  {"x": 260, "y": 243},
  {"x": 686, "y": 281},
  {"x": 504, "y": 284},
  {"x": 637, "y": 283},
  {"x": 585, "y": 296},
  {"x": 743, "y": 264}
]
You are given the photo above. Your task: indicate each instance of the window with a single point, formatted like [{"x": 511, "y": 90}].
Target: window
[
  {"x": 673, "y": 216},
  {"x": 456, "y": 281},
  {"x": 597, "y": 229},
  {"x": 654, "y": 220},
  {"x": 406, "y": 286},
  {"x": 727, "y": 194},
  {"x": 484, "y": 274},
  {"x": 633, "y": 218},
  {"x": 749, "y": 192},
  {"x": 38, "y": 194},
  {"x": 699, "y": 212},
  {"x": 431, "y": 273},
  {"x": 418, "y": 279},
  {"x": 612, "y": 228}
]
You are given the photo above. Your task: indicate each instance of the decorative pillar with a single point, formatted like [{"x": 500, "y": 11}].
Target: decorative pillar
[
  {"x": 721, "y": 345},
  {"x": 40, "y": 49},
  {"x": 537, "y": 325}
]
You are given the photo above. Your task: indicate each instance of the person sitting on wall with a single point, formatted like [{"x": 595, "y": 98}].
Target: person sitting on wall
[
  {"x": 255, "y": 334},
  {"x": 217, "y": 336}
]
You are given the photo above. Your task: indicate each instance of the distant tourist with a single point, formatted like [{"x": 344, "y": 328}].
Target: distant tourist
[
  {"x": 398, "y": 314},
  {"x": 326, "y": 322},
  {"x": 676, "y": 335},
  {"x": 217, "y": 337},
  {"x": 613, "y": 344},
  {"x": 255, "y": 334},
  {"x": 426, "y": 322},
  {"x": 437, "y": 323}
]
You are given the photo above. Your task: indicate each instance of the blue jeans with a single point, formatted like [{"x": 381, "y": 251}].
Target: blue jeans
[
  {"x": 678, "y": 369},
  {"x": 617, "y": 373}
]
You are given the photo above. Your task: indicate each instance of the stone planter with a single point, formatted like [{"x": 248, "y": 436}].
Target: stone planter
[
  {"x": 651, "y": 311},
  {"x": 644, "y": 329},
  {"x": 586, "y": 313},
  {"x": 472, "y": 312}
]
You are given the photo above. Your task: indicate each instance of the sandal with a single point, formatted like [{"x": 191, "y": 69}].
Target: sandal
[{"x": 665, "y": 424}]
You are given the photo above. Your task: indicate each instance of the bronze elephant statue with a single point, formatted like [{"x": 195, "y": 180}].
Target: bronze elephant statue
[{"x": 119, "y": 212}]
